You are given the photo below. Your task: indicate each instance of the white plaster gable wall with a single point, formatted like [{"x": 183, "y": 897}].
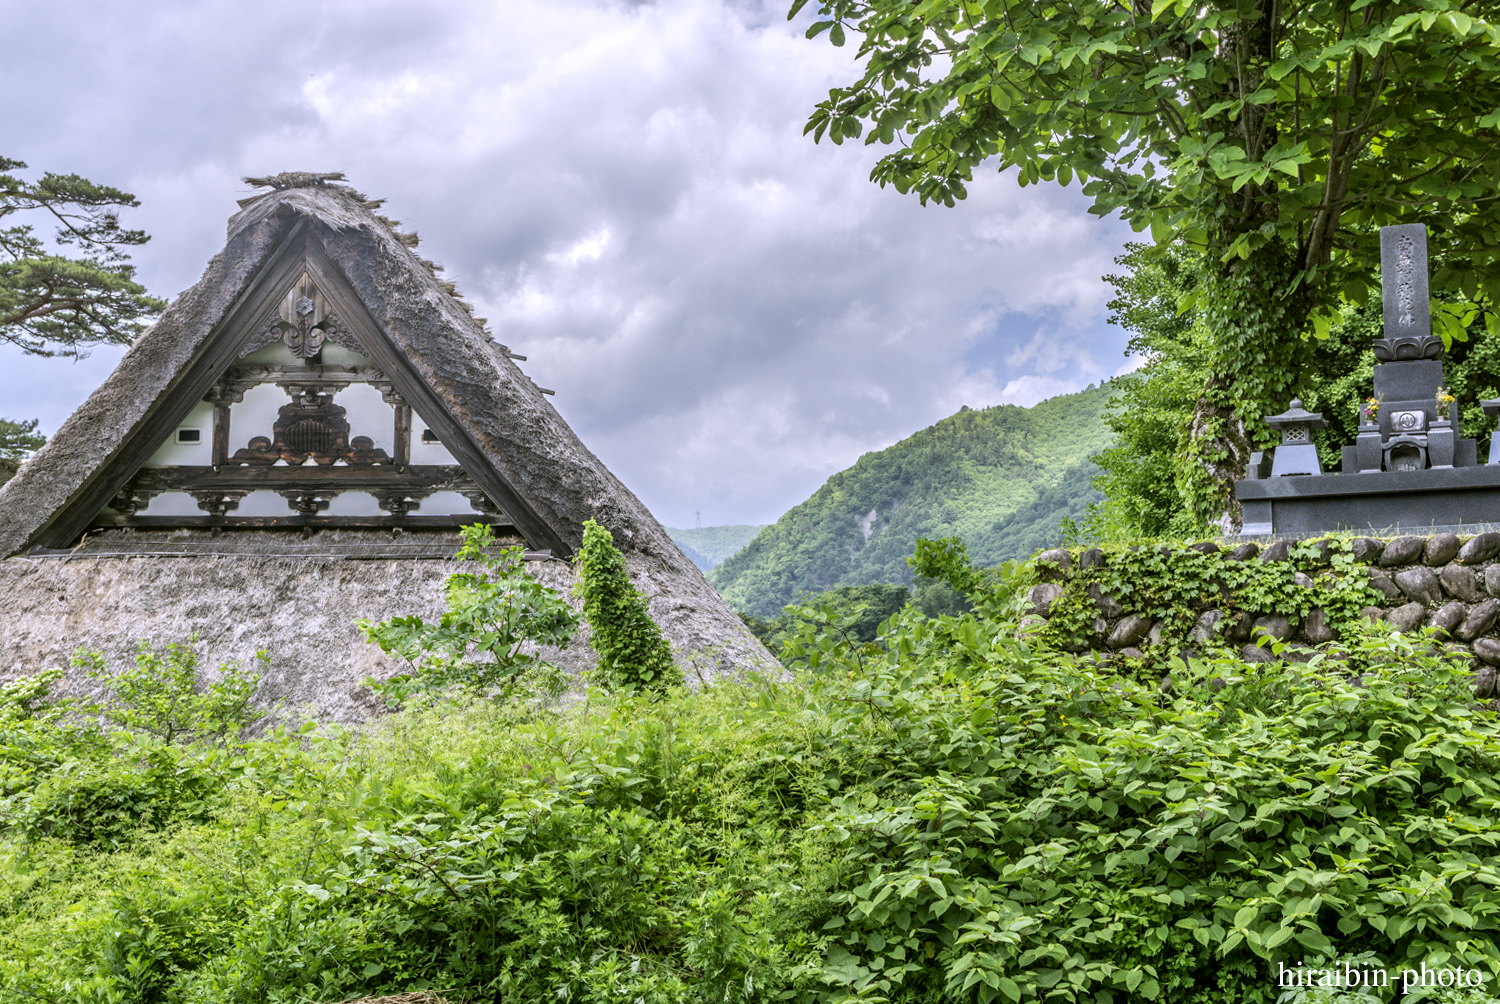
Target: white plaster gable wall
[
  {"x": 174, "y": 454},
  {"x": 351, "y": 504},
  {"x": 427, "y": 453},
  {"x": 255, "y": 415},
  {"x": 368, "y": 415}
]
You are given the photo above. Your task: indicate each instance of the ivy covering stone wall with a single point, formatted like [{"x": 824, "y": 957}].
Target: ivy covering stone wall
[{"x": 1148, "y": 605}]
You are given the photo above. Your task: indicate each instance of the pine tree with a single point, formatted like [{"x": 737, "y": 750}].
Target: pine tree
[
  {"x": 51, "y": 304},
  {"x": 18, "y": 440}
]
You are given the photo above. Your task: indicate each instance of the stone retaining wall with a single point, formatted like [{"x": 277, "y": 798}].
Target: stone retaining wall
[{"x": 1445, "y": 582}]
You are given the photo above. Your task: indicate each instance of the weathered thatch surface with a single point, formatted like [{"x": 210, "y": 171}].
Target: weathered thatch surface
[{"x": 302, "y": 609}]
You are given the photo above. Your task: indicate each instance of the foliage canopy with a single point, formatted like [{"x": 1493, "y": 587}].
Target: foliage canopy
[
  {"x": 51, "y": 304},
  {"x": 18, "y": 440},
  {"x": 1275, "y": 138}
]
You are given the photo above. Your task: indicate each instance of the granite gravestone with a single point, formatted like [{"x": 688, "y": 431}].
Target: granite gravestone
[{"x": 1409, "y": 466}]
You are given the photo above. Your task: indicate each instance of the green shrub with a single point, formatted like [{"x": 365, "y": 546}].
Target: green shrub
[
  {"x": 942, "y": 813},
  {"x": 142, "y": 756},
  {"x": 160, "y": 696},
  {"x": 479, "y": 644},
  {"x": 632, "y": 652},
  {"x": 1047, "y": 829}
]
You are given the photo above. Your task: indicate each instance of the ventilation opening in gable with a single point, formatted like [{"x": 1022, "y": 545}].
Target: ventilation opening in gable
[{"x": 186, "y": 436}]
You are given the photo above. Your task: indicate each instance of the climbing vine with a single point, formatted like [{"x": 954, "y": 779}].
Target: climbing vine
[{"x": 1174, "y": 585}]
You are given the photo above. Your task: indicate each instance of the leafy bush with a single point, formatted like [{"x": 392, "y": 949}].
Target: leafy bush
[
  {"x": 1048, "y": 829},
  {"x": 160, "y": 696},
  {"x": 143, "y": 756},
  {"x": 632, "y": 652},
  {"x": 941, "y": 813},
  {"x": 479, "y": 644}
]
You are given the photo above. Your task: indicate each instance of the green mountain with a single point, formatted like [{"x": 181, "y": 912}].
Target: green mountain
[
  {"x": 706, "y": 546},
  {"x": 1001, "y": 478}
]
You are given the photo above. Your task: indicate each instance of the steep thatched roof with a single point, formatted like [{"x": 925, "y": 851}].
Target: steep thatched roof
[{"x": 438, "y": 355}]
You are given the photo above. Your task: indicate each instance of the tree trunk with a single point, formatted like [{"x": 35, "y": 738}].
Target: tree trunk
[{"x": 1254, "y": 318}]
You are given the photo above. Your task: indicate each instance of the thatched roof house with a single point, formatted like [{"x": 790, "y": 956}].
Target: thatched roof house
[{"x": 291, "y": 447}]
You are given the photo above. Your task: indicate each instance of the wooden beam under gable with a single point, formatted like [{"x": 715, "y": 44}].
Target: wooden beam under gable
[
  {"x": 217, "y": 352},
  {"x": 427, "y": 402}
]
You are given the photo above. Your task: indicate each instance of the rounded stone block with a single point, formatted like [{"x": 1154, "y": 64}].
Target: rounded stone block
[
  {"x": 1302, "y": 579},
  {"x": 1131, "y": 652},
  {"x": 1448, "y": 617},
  {"x": 1203, "y": 627},
  {"x": 1402, "y": 551},
  {"x": 1440, "y": 550},
  {"x": 1257, "y": 654},
  {"x": 1481, "y": 618},
  {"x": 1277, "y": 626},
  {"x": 1092, "y": 558},
  {"x": 1366, "y": 549},
  {"x": 1041, "y": 597},
  {"x": 1244, "y": 552},
  {"x": 1480, "y": 548},
  {"x": 1382, "y": 584},
  {"x": 1237, "y": 626},
  {"x": 1407, "y": 618},
  {"x": 1106, "y": 603},
  {"x": 1492, "y": 580},
  {"x": 1372, "y": 613},
  {"x": 1484, "y": 682},
  {"x": 1488, "y": 649},
  {"x": 1315, "y": 629},
  {"x": 1130, "y": 631},
  {"x": 1204, "y": 547},
  {"x": 1279, "y": 551},
  {"x": 1053, "y": 564},
  {"x": 1419, "y": 584},
  {"x": 1460, "y": 583}
]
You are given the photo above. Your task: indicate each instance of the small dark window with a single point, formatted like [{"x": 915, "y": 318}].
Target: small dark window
[
  {"x": 189, "y": 436},
  {"x": 428, "y": 436}
]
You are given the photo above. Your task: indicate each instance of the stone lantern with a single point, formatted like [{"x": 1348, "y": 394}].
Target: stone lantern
[
  {"x": 1492, "y": 409},
  {"x": 1296, "y": 454}
]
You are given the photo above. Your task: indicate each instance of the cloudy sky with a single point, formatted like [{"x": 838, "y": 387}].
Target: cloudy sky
[{"x": 728, "y": 312}]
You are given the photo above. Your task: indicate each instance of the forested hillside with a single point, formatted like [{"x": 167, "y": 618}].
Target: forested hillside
[
  {"x": 706, "y": 546},
  {"x": 1001, "y": 478}
]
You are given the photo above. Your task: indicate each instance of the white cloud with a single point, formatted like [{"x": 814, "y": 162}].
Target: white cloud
[
  {"x": 728, "y": 312},
  {"x": 588, "y": 249}
]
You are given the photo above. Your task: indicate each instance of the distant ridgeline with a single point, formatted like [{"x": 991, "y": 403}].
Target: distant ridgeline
[
  {"x": 707, "y": 546},
  {"x": 1001, "y": 478}
]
